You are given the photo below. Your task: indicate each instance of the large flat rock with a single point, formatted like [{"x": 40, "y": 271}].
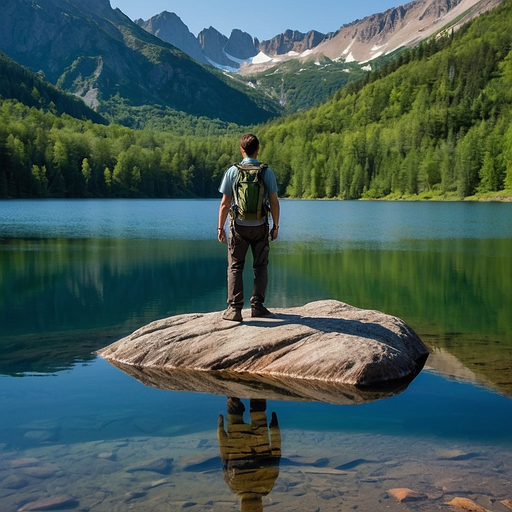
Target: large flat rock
[{"x": 325, "y": 350}]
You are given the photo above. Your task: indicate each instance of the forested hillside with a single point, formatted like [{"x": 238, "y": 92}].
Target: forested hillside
[
  {"x": 436, "y": 121},
  {"x": 17, "y": 82},
  {"x": 299, "y": 85},
  {"x": 44, "y": 155}
]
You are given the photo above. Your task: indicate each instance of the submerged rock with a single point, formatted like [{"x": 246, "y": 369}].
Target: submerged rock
[
  {"x": 466, "y": 504},
  {"x": 325, "y": 350},
  {"x": 507, "y": 503},
  {"x": 25, "y": 462},
  {"x": 404, "y": 494},
  {"x": 107, "y": 456},
  {"x": 51, "y": 503},
  {"x": 14, "y": 482},
  {"x": 41, "y": 472},
  {"x": 160, "y": 465}
]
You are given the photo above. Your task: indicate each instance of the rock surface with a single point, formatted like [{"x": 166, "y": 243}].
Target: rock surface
[
  {"x": 467, "y": 504},
  {"x": 325, "y": 350},
  {"x": 291, "y": 41},
  {"x": 160, "y": 465},
  {"x": 405, "y": 494},
  {"x": 52, "y": 503}
]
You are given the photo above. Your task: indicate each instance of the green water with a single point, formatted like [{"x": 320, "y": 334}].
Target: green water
[{"x": 77, "y": 275}]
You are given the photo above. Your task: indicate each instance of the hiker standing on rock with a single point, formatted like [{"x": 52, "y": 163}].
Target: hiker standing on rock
[{"x": 249, "y": 191}]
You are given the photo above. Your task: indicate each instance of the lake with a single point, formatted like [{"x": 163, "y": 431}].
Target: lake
[{"x": 78, "y": 434}]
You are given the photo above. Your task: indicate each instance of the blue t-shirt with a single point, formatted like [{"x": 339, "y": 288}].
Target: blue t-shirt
[{"x": 269, "y": 178}]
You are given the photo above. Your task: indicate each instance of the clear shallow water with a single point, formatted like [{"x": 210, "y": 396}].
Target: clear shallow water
[{"x": 76, "y": 275}]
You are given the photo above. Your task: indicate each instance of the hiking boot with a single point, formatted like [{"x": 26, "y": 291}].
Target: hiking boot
[
  {"x": 260, "y": 310},
  {"x": 233, "y": 314},
  {"x": 258, "y": 405},
  {"x": 235, "y": 406}
]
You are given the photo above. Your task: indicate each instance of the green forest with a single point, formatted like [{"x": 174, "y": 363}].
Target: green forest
[
  {"x": 45, "y": 155},
  {"x": 435, "y": 122}
]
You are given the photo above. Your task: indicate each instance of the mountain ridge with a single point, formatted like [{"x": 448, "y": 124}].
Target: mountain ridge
[
  {"x": 403, "y": 26},
  {"x": 359, "y": 41}
]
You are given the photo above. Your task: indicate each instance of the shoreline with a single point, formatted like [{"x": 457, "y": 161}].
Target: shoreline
[{"x": 503, "y": 196}]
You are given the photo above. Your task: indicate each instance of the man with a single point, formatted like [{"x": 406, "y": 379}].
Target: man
[
  {"x": 250, "y": 452},
  {"x": 247, "y": 233}
]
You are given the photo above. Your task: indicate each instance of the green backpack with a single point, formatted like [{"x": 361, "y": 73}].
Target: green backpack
[{"x": 249, "y": 192}]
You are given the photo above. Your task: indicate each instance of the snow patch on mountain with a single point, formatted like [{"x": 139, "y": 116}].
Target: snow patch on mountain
[{"x": 261, "y": 58}]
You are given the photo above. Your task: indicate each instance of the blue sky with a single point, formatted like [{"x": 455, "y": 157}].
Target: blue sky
[{"x": 270, "y": 17}]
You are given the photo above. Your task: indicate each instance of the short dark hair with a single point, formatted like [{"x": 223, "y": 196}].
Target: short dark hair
[{"x": 249, "y": 143}]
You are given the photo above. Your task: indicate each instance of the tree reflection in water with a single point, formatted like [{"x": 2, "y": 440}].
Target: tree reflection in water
[{"x": 250, "y": 452}]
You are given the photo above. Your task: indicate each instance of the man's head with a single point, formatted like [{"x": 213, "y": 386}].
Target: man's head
[{"x": 249, "y": 144}]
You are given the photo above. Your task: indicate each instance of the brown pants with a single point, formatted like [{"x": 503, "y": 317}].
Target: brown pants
[{"x": 241, "y": 238}]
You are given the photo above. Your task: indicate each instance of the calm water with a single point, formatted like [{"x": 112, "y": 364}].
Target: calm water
[{"x": 77, "y": 275}]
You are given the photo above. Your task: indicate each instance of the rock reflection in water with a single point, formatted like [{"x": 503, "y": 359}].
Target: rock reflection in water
[
  {"x": 250, "y": 452},
  {"x": 264, "y": 387}
]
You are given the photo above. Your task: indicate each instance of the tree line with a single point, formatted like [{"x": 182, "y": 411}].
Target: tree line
[
  {"x": 437, "y": 121},
  {"x": 45, "y": 155}
]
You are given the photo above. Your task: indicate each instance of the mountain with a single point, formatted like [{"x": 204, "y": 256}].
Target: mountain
[
  {"x": 400, "y": 27},
  {"x": 223, "y": 52},
  {"x": 213, "y": 42},
  {"x": 17, "y": 82},
  {"x": 299, "y": 85},
  {"x": 299, "y": 70},
  {"x": 360, "y": 41},
  {"x": 169, "y": 27},
  {"x": 100, "y": 55},
  {"x": 241, "y": 45},
  {"x": 127, "y": 74}
]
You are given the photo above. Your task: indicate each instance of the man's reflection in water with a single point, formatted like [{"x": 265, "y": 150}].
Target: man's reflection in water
[{"x": 250, "y": 455}]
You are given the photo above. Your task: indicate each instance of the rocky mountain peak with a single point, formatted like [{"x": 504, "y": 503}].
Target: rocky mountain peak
[
  {"x": 240, "y": 45},
  {"x": 98, "y": 7},
  {"x": 291, "y": 41},
  {"x": 169, "y": 27},
  {"x": 213, "y": 43},
  {"x": 382, "y": 23},
  {"x": 439, "y": 8}
]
